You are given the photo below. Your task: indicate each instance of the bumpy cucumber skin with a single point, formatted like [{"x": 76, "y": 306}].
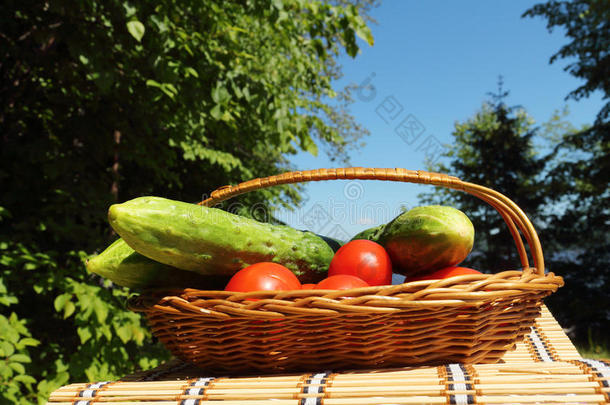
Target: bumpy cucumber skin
[
  {"x": 210, "y": 241},
  {"x": 370, "y": 233},
  {"x": 125, "y": 267},
  {"x": 427, "y": 238}
]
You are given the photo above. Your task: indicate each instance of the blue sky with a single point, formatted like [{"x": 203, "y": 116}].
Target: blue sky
[{"x": 433, "y": 64}]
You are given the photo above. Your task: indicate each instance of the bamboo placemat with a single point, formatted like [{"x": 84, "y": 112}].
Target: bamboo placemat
[{"x": 544, "y": 368}]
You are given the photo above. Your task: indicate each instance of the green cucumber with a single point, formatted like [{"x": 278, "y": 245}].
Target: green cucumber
[
  {"x": 427, "y": 238},
  {"x": 370, "y": 233},
  {"x": 210, "y": 241},
  {"x": 123, "y": 266}
]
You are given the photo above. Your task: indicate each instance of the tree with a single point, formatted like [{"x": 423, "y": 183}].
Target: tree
[
  {"x": 579, "y": 180},
  {"x": 587, "y": 25},
  {"x": 495, "y": 149},
  {"x": 106, "y": 101}
]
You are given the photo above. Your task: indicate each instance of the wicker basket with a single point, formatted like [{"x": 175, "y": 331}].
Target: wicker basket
[{"x": 467, "y": 319}]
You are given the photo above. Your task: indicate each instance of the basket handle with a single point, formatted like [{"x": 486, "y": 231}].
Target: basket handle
[{"x": 514, "y": 217}]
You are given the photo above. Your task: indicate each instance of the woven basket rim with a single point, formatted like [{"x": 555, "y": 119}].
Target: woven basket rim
[{"x": 459, "y": 291}]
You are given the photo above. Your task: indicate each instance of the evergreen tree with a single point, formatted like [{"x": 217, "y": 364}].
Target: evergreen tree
[{"x": 495, "y": 149}]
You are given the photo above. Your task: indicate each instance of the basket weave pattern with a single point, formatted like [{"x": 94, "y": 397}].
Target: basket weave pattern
[{"x": 468, "y": 319}]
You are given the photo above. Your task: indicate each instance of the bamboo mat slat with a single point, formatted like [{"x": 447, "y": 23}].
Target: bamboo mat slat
[{"x": 544, "y": 368}]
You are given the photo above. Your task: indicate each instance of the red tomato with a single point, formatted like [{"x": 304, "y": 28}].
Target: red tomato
[
  {"x": 445, "y": 273},
  {"x": 341, "y": 282},
  {"x": 264, "y": 276},
  {"x": 364, "y": 259},
  {"x": 308, "y": 287}
]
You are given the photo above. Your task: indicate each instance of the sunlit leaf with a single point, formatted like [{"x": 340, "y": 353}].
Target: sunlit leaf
[{"x": 136, "y": 29}]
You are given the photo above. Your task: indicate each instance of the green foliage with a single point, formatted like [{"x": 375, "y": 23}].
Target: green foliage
[
  {"x": 15, "y": 341},
  {"x": 587, "y": 25},
  {"x": 578, "y": 184},
  {"x": 594, "y": 350},
  {"x": 107, "y": 101},
  {"x": 86, "y": 330},
  {"x": 578, "y": 174}
]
